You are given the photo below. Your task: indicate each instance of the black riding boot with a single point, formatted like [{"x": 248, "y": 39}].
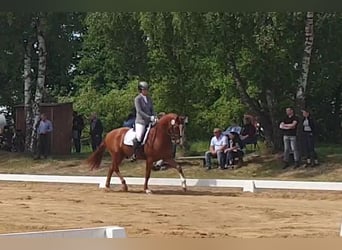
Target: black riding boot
[{"x": 136, "y": 145}]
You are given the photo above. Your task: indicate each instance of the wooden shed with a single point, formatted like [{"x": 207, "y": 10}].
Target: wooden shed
[{"x": 61, "y": 115}]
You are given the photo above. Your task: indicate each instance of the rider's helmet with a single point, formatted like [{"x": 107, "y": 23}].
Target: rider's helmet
[{"x": 142, "y": 85}]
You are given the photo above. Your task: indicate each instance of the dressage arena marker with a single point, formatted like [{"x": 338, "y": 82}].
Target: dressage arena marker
[
  {"x": 245, "y": 185},
  {"x": 96, "y": 232}
]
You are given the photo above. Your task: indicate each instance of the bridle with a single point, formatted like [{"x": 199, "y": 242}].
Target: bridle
[{"x": 176, "y": 131}]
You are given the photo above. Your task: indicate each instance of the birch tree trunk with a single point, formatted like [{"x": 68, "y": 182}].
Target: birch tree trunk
[
  {"x": 27, "y": 94},
  {"x": 40, "y": 80},
  {"x": 303, "y": 80}
]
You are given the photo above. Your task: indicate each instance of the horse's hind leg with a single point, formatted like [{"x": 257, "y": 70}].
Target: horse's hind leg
[
  {"x": 115, "y": 166},
  {"x": 116, "y": 160},
  {"x": 109, "y": 176},
  {"x": 123, "y": 181}
]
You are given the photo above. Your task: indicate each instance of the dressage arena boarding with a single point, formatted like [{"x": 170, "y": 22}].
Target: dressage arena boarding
[{"x": 77, "y": 206}]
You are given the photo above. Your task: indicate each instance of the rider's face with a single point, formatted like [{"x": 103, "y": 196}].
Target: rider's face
[{"x": 144, "y": 91}]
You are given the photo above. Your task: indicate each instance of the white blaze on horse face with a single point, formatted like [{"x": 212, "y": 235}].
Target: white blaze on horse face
[{"x": 173, "y": 122}]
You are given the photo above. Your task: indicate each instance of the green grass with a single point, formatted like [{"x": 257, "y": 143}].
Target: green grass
[
  {"x": 257, "y": 166},
  {"x": 198, "y": 148}
]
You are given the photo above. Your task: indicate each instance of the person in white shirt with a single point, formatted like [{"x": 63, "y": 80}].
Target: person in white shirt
[
  {"x": 218, "y": 144},
  {"x": 44, "y": 129}
]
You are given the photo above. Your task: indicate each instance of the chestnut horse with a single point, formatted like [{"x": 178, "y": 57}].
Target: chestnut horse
[{"x": 169, "y": 129}]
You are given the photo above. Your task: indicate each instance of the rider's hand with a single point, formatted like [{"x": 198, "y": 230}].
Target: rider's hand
[{"x": 152, "y": 118}]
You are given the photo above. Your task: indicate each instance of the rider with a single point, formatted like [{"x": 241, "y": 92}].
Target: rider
[{"x": 144, "y": 115}]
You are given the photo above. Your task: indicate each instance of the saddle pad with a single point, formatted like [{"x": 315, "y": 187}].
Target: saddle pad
[{"x": 130, "y": 135}]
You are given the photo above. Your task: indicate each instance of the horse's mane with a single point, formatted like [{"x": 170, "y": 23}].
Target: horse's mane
[{"x": 166, "y": 118}]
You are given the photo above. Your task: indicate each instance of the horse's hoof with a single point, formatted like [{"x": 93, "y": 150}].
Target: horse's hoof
[
  {"x": 108, "y": 189},
  {"x": 125, "y": 189},
  {"x": 147, "y": 191}
]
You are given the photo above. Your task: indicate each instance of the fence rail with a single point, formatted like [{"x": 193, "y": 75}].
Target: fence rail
[{"x": 245, "y": 185}]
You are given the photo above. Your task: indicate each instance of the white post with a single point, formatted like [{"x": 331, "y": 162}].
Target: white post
[
  {"x": 115, "y": 232},
  {"x": 249, "y": 186}
]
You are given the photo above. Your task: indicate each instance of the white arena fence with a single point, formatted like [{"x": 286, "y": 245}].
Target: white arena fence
[
  {"x": 96, "y": 232},
  {"x": 245, "y": 185}
]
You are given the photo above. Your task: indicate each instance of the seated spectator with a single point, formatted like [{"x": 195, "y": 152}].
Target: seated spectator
[
  {"x": 130, "y": 120},
  {"x": 218, "y": 144},
  {"x": 234, "y": 150},
  {"x": 233, "y": 128},
  {"x": 248, "y": 133}
]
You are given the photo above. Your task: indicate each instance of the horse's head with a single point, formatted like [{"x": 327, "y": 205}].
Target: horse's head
[{"x": 174, "y": 125}]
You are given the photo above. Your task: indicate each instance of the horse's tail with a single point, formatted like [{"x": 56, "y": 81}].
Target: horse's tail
[{"x": 95, "y": 158}]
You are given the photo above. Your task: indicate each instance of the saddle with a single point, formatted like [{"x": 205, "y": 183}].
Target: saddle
[{"x": 130, "y": 135}]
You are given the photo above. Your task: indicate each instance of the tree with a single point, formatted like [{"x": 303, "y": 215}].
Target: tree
[
  {"x": 114, "y": 52},
  {"x": 40, "y": 25},
  {"x": 303, "y": 81}
]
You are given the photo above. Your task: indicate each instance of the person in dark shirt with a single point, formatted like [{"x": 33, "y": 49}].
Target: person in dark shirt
[
  {"x": 96, "y": 130},
  {"x": 309, "y": 131},
  {"x": 248, "y": 132},
  {"x": 77, "y": 127},
  {"x": 130, "y": 120},
  {"x": 289, "y": 128}
]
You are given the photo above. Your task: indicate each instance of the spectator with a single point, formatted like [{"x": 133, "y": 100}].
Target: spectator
[
  {"x": 44, "y": 130},
  {"x": 289, "y": 128},
  {"x": 308, "y": 138},
  {"x": 7, "y": 138},
  {"x": 130, "y": 120},
  {"x": 248, "y": 132},
  {"x": 218, "y": 144},
  {"x": 234, "y": 150},
  {"x": 96, "y": 130},
  {"x": 3, "y": 122},
  {"x": 77, "y": 127}
]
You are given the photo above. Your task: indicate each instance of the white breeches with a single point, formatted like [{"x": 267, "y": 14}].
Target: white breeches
[{"x": 139, "y": 131}]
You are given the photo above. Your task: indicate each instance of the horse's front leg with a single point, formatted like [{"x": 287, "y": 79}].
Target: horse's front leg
[
  {"x": 149, "y": 164},
  {"x": 182, "y": 177},
  {"x": 173, "y": 164}
]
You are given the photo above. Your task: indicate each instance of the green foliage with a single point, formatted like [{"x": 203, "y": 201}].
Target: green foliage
[
  {"x": 113, "y": 52},
  {"x": 112, "y": 108},
  {"x": 96, "y": 59}
]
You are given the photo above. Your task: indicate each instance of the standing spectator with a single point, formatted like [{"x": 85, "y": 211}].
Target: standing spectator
[
  {"x": 96, "y": 130},
  {"x": 308, "y": 138},
  {"x": 77, "y": 127},
  {"x": 44, "y": 130},
  {"x": 218, "y": 144},
  {"x": 289, "y": 128}
]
